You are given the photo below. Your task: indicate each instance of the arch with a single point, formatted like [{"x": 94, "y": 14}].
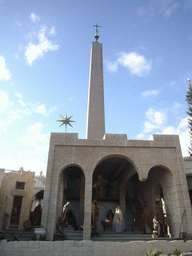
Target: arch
[
  {"x": 114, "y": 156},
  {"x": 116, "y": 170},
  {"x": 71, "y": 187},
  {"x": 160, "y": 165},
  {"x": 160, "y": 177},
  {"x": 65, "y": 166}
]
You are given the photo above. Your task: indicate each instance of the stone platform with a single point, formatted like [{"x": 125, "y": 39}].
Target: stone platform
[{"x": 90, "y": 248}]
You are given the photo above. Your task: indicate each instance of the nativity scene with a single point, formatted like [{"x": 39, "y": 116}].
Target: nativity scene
[{"x": 109, "y": 183}]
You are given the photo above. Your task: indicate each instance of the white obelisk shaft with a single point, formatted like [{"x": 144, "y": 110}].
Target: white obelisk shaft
[{"x": 95, "y": 112}]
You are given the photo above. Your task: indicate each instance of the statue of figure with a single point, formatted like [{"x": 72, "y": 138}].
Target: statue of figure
[
  {"x": 37, "y": 215},
  {"x": 148, "y": 216},
  {"x": 160, "y": 219},
  {"x": 97, "y": 184},
  {"x": 108, "y": 221},
  {"x": 138, "y": 214},
  {"x": 110, "y": 215},
  {"x": 118, "y": 221},
  {"x": 64, "y": 218},
  {"x": 94, "y": 215}
]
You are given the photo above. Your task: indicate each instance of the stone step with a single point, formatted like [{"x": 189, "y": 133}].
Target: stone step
[
  {"x": 72, "y": 234},
  {"x": 13, "y": 233}
]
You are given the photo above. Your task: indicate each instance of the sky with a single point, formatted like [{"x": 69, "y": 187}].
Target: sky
[{"x": 44, "y": 71}]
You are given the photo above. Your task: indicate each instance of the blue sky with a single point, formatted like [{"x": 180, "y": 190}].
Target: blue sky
[{"x": 44, "y": 71}]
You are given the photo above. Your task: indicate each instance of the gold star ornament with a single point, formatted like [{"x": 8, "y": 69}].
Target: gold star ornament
[{"x": 65, "y": 121}]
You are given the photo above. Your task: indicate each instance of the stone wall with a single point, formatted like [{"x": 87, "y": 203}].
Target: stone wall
[
  {"x": 163, "y": 152},
  {"x": 89, "y": 248},
  {"x": 188, "y": 165}
]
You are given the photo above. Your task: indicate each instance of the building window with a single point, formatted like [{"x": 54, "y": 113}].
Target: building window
[{"x": 20, "y": 185}]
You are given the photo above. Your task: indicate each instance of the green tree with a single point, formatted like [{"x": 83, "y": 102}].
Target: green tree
[{"x": 189, "y": 112}]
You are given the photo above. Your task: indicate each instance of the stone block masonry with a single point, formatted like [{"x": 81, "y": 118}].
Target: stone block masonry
[{"x": 90, "y": 248}]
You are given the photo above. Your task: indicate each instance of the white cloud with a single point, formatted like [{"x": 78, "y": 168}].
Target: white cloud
[
  {"x": 34, "y": 52},
  {"x": 168, "y": 7},
  {"x": 173, "y": 83},
  {"x": 112, "y": 66},
  {"x": 183, "y": 124},
  {"x": 182, "y": 127},
  {"x": 150, "y": 93},
  {"x": 176, "y": 106},
  {"x": 4, "y": 101},
  {"x": 34, "y": 17},
  {"x": 155, "y": 122},
  {"x": 33, "y": 137},
  {"x": 21, "y": 103},
  {"x": 140, "y": 136},
  {"x": 4, "y": 72},
  {"x": 141, "y": 12},
  {"x": 42, "y": 110},
  {"x": 52, "y": 31},
  {"x": 137, "y": 64},
  {"x": 164, "y": 7},
  {"x": 18, "y": 23},
  {"x": 13, "y": 115},
  {"x": 31, "y": 150},
  {"x": 168, "y": 130},
  {"x": 149, "y": 127},
  {"x": 156, "y": 117},
  {"x": 185, "y": 142},
  {"x": 183, "y": 132},
  {"x": 19, "y": 95}
]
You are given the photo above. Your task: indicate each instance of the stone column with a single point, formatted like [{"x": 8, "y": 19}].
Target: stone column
[
  {"x": 122, "y": 201},
  {"x": 87, "y": 208},
  {"x": 81, "y": 200}
]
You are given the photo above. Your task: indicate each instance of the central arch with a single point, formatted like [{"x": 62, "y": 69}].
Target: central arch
[{"x": 110, "y": 178}]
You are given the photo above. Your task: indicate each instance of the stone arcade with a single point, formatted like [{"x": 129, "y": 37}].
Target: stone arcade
[{"x": 132, "y": 171}]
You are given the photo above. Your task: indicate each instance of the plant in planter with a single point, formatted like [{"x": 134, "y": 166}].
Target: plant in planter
[
  {"x": 95, "y": 233},
  {"x": 176, "y": 253},
  {"x": 59, "y": 236},
  {"x": 154, "y": 252}
]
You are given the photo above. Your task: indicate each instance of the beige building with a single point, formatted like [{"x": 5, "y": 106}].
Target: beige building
[
  {"x": 16, "y": 194},
  {"x": 2, "y": 172},
  {"x": 39, "y": 183},
  {"x": 113, "y": 170},
  {"x": 188, "y": 172}
]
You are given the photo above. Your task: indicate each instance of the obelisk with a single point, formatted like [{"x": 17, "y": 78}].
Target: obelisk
[{"x": 95, "y": 111}]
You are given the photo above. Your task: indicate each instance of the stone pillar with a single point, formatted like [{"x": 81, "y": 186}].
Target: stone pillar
[
  {"x": 81, "y": 200},
  {"x": 87, "y": 208},
  {"x": 122, "y": 201},
  {"x": 95, "y": 112},
  {"x": 47, "y": 191}
]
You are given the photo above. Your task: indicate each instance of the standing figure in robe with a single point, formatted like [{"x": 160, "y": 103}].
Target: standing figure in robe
[
  {"x": 148, "y": 216},
  {"x": 160, "y": 218},
  {"x": 97, "y": 184},
  {"x": 94, "y": 215},
  {"x": 118, "y": 221},
  {"x": 64, "y": 219}
]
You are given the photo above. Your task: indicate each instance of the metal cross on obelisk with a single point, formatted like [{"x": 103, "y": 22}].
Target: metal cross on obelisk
[{"x": 96, "y": 32}]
